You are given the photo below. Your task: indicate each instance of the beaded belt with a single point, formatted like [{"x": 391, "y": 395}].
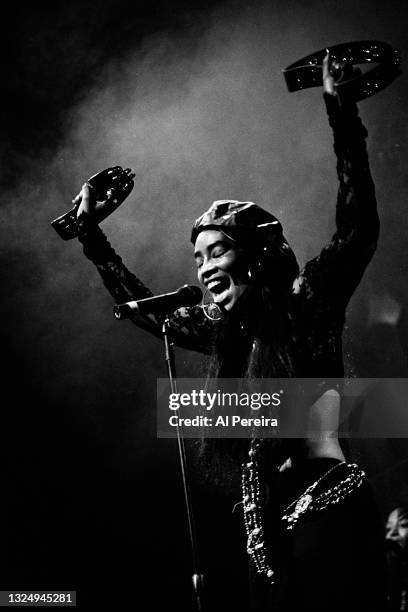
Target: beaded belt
[{"x": 313, "y": 499}]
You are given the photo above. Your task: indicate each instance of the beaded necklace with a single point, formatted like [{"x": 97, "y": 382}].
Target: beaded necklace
[
  {"x": 253, "y": 498},
  {"x": 309, "y": 501}
]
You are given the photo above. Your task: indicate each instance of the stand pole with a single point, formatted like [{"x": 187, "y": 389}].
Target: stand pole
[{"x": 197, "y": 577}]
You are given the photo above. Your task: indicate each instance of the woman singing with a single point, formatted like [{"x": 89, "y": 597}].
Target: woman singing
[{"x": 312, "y": 531}]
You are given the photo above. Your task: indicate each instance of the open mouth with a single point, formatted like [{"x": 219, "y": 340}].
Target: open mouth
[
  {"x": 218, "y": 285},
  {"x": 393, "y": 544}
]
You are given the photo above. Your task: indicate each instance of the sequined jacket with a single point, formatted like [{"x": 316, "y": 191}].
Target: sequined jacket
[{"x": 323, "y": 287}]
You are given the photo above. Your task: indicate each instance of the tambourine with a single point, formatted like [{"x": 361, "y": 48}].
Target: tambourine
[
  {"x": 307, "y": 72},
  {"x": 113, "y": 185}
]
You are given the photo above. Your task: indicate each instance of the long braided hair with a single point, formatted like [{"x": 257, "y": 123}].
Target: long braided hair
[{"x": 254, "y": 340}]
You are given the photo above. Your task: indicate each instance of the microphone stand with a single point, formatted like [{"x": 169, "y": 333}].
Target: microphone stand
[{"x": 197, "y": 577}]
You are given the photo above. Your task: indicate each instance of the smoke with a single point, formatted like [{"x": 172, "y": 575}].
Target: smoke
[{"x": 201, "y": 114}]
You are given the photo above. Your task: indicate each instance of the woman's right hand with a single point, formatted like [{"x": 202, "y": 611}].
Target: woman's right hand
[
  {"x": 98, "y": 209},
  {"x": 84, "y": 202}
]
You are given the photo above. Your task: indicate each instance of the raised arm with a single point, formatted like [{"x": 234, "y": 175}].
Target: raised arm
[
  {"x": 191, "y": 329},
  {"x": 337, "y": 271}
]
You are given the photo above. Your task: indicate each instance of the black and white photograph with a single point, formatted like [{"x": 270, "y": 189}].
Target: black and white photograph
[{"x": 204, "y": 232}]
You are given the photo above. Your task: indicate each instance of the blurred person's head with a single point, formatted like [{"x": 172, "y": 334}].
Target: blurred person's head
[{"x": 396, "y": 529}]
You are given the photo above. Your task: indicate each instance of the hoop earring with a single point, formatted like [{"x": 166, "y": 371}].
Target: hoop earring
[
  {"x": 212, "y": 311},
  {"x": 252, "y": 274}
]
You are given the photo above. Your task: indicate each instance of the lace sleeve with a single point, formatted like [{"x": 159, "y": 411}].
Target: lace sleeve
[
  {"x": 336, "y": 272},
  {"x": 189, "y": 326}
]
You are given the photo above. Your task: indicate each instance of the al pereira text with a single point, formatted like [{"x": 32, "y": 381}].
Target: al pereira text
[{"x": 222, "y": 421}]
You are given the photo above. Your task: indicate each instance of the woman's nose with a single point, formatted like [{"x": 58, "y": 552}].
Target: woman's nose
[
  {"x": 207, "y": 269},
  {"x": 392, "y": 532}
]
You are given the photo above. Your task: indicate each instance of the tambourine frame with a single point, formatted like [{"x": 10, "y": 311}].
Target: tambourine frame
[{"x": 307, "y": 72}]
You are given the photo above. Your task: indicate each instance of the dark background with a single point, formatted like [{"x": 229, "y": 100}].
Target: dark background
[{"x": 191, "y": 96}]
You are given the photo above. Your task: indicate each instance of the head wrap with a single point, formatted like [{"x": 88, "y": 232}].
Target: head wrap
[{"x": 237, "y": 219}]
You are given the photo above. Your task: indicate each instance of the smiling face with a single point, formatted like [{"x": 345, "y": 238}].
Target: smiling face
[
  {"x": 397, "y": 528},
  {"x": 221, "y": 267}
]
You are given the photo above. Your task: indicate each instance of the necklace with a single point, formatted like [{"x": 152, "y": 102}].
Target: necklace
[{"x": 253, "y": 499}]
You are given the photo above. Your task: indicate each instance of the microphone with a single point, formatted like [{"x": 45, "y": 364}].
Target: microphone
[{"x": 188, "y": 295}]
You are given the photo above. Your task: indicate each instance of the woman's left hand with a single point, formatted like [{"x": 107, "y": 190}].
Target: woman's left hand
[
  {"x": 329, "y": 84},
  {"x": 336, "y": 73}
]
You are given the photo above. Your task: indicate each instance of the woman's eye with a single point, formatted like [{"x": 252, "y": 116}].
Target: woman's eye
[{"x": 218, "y": 252}]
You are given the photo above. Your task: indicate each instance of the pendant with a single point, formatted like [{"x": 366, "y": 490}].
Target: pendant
[{"x": 303, "y": 503}]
